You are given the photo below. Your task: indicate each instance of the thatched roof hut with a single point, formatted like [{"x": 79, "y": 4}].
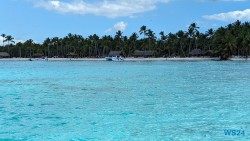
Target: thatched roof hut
[
  {"x": 115, "y": 53},
  {"x": 146, "y": 53},
  {"x": 197, "y": 52},
  {"x": 4, "y": 55}
]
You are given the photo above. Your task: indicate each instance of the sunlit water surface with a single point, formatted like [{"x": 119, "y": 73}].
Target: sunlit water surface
[{"x": 98, "y": 100}]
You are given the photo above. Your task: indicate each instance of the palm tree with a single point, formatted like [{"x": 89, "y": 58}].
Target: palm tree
[
  {"x": 143, "y": 30},
  {"x": 210, "y": 34},
  {"x": 133, "y": 38},
  {"x": 19, "y": 45},
  {"x": 181, "y": 35},
  {"x": 163, "y": 39},
  {"x": 171, "y": 43},
  {"x": 79, "y": 41},
  {"x": 151, "y": 39},
  {"x": 60, "y": 42},
  {"x": 163, "y": 36},
  {"x": 29, "y": 44},
  {"x": 55, "y": 41},
  {"x": 196, "y": 37},
  {"x": 9, "y": 39},
  {"x": 224, "y": 42},
  {"x": 230, "y": 45},
  {"x": 192, "y": 29},
  {"x": 106, "y": 43},
  {"x": 94, "y": 40},
  {"x": 46, "y": 43},
  {"x": 3, "y": 35},
  {"x": 119, "y": 37},
  {"x": 246, "y": 44}
]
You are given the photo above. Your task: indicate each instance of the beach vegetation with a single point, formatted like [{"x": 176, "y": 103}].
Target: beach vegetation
[{"x": 224, "y": 42}]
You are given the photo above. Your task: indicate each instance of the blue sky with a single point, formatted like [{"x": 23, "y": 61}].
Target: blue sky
[{"x": 39, "y": 19}]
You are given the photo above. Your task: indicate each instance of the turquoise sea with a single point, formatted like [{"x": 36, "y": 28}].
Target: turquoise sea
[{"x": 99, "y": 100}]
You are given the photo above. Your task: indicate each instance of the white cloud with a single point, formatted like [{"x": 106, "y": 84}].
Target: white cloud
[
  {"x": 108, "y": 30},
  {"x": 118, "y": 26},
  {"x": 230, "y": 16},
  {"x": 5, "y": 43},
  {"x": 234, "y": 0},
  {"x": 1, "y": 41},
  {"x": 221, "y": 0},
  {"x": 107, "y": 8},
  {"x": 17, "y": 41},
  {"x": 204, "y": 24}
]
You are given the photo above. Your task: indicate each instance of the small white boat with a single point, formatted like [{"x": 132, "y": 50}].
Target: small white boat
[
  {"x": 114, "y": 58},
  {"x": 38, "y": 59}
]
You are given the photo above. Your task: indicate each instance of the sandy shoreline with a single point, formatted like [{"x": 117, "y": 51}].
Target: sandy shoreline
[{"x": 128, "y": 59}]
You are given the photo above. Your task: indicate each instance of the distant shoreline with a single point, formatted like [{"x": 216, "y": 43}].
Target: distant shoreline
[{"x": 130, "y": 59}]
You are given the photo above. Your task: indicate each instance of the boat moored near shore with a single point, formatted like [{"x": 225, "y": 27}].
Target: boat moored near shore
[{"x": 114, "y": 58}]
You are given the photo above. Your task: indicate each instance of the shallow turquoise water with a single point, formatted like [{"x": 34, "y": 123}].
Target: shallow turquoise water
[{"x": 95, "y": 100}]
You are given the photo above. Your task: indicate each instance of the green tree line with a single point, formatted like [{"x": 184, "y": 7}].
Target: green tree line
[{"x": 233, "y": 39}]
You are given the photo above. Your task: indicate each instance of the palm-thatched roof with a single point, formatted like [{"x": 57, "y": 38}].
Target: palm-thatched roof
[
  {"x": 4, "y": 55},
  {"x": 197, "y": 52}
]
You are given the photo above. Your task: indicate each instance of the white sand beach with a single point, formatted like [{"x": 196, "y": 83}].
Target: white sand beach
[{"x": 129, "y": 59}]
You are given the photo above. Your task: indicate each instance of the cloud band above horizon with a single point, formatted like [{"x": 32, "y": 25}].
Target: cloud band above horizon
[
  {"x": 107, "y": 8},
  {"x": 230, "y": 16}
]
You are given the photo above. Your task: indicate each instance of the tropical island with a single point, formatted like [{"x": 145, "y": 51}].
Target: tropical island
[{"x": 232, "y": 40}]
